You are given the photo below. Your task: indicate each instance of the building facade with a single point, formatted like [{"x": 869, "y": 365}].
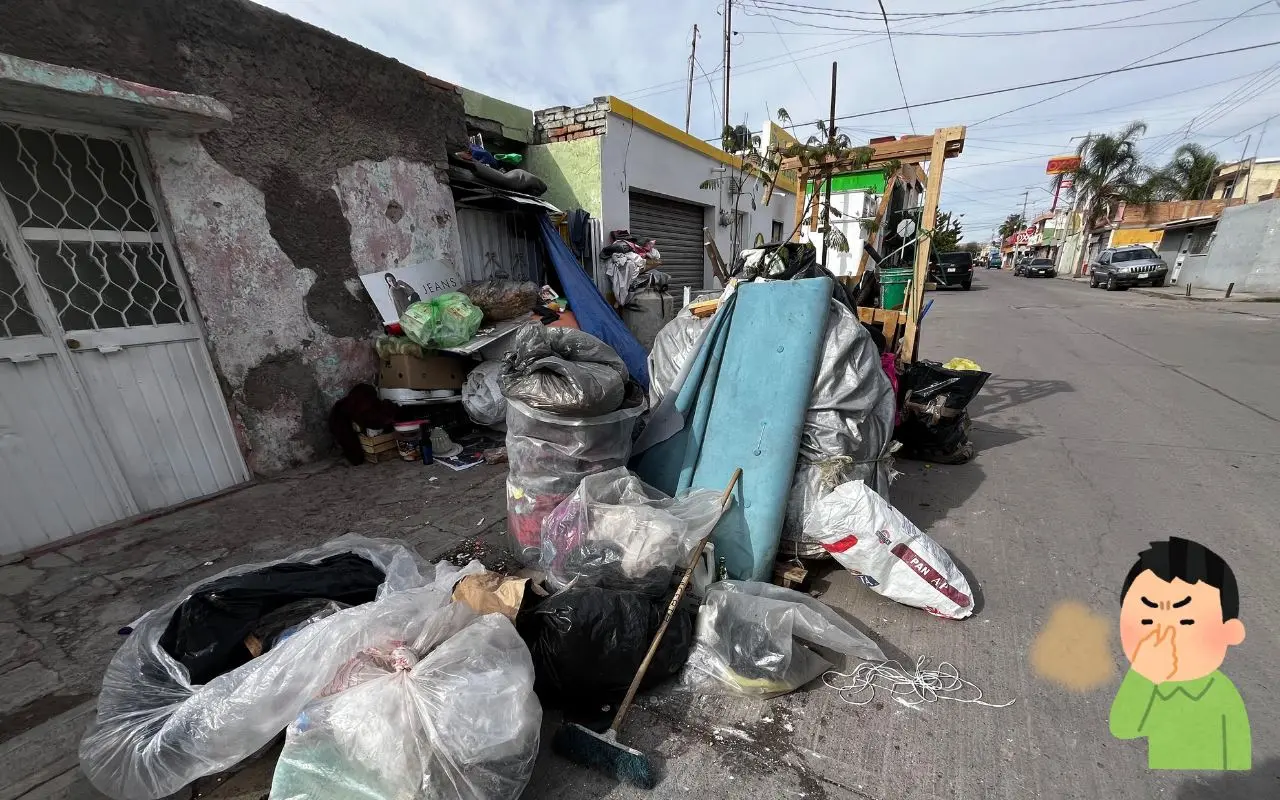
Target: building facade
[{"x": 1250, "y": 181}]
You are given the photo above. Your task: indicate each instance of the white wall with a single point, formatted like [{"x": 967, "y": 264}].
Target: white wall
[{"x": 634, "y": 157}]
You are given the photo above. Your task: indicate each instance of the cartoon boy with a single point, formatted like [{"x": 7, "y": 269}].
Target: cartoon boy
[{"x": 1179, "y": 612}]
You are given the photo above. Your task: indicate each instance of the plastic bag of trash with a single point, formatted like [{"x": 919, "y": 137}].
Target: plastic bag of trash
[
  {"x": 445, "y": 712},
  {"x": 564, "y": 371},
  {"x": 752, "y": 640},
  {"x": 879, "y": 545},
  {"x": 587, "y": 643},
  {"x": 482, "y": 395},
  {"x": 501, "y": 299},
  {"x": 156, "y": 730},
  {"x": 447, "y": 320},
  {"x": 617, "y": 531},
  {"x": 549, "y": 455},
  {"x": 935, "y": 419}
]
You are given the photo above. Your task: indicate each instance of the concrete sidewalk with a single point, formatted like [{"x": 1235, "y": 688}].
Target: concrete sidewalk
[
  {"x": 60, "y": 611},
  {"x": 1173, "y": 292}
]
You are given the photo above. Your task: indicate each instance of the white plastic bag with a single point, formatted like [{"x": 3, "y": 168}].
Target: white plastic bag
[
  {"x": 156, "y": 732},
  {"x": 615, "y": 530},
  {"x": 751, "y": 641},
  {"x": 448, "y": 714},
  {"x": 875, "y": 542}
]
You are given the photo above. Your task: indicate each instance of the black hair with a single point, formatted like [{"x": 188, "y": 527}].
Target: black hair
[{"x": 1192, "y": 562}]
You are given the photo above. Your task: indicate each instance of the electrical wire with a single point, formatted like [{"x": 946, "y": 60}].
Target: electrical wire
[
  {"x": 1131, "y": 64},
  {"x": 782, "y": 39},
  {"x": 1044, "y": 5},
  {"x": 894, "y": 52},
  {"x": 1094, "y": 26},
  {"x": 908, "y": 688},
  {"x": 1118, "y": 70}
]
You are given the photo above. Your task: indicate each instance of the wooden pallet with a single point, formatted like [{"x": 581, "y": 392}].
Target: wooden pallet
[{"x": 891, "y": 323}]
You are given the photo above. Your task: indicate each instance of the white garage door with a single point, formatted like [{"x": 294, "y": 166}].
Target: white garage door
[{"x": 677, "y": 227}]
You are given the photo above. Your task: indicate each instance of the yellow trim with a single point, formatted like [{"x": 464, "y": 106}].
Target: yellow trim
[{"x": 648, "y": 121}]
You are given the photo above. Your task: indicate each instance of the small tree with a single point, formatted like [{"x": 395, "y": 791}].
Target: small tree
[
  {"x": 946, "y": 232},
  {"x": 972, "y": 248}
]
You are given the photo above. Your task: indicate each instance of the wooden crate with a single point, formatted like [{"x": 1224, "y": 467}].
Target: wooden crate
[{"x": 379, "y": 448}]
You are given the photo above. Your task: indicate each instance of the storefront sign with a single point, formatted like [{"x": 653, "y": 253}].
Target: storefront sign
[{"x": 1059, "y": 165}]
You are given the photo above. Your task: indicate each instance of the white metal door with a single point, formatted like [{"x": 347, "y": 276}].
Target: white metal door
[{"x": 107, "y": 393}]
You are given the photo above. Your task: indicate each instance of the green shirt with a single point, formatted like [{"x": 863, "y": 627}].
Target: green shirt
[{"x": 1198, "y": 724}]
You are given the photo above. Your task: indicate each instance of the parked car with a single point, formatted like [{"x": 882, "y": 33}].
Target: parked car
[
  {"x": 995, "y": 262},
  {"x": 955, "y": 269},
  {"x": 1122, "y": 267},
  {"x": 1039, "y": 267},
  {"x": 1021, "y": 267}
]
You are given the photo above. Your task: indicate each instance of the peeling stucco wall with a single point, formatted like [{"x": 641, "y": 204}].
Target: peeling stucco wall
[
  {"x": 399, "y": 213},
  {"x": 572, "y": 172},
  {"x": 277, "y": 213}
]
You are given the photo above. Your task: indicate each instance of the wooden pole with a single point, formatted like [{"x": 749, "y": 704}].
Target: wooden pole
[
  {"x": 928, "y": 219},
  {"x": 728, "y": 52},
  {"x": 688, "y": 93},
  {"x": 831, "y": 139}
]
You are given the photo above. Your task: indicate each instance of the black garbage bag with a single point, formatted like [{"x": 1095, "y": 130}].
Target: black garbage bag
[
  {"x": 588, "y": 643},
  {"x": 206, "y": 633},
  {"x": 935, "y": 422},
  {"x": 563, "y": 371}
]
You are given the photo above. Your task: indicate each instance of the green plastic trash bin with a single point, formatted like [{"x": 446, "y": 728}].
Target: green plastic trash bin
[{"x": 893, "y": 286}]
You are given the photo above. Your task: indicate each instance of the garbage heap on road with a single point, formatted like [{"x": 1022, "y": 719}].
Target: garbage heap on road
[{"x": 391, "y": 678}]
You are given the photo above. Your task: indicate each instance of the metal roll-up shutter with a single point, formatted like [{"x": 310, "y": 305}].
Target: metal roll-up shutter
[{"x": 677, "y": 227}]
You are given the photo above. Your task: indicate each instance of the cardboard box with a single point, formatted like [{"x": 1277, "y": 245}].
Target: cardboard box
[{"x": 432, "y": 372}]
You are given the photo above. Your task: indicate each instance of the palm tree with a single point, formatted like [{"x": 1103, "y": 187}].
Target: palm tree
[
  {"x": 1011, "y": 225},
  {"x": 1187, "y": 175},
  {"x": 1109, "y": 173}
]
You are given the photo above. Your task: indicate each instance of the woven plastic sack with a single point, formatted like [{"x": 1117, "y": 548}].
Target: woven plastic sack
[
  {"x": 891, "y": 556},
  {"x": 617, "y": 531},
  {"x": 447, "y": 711},
  {"x": 155, "y": 732},
  {"x": 751, "y": 640},
  {"x": 448, "y": 320}
]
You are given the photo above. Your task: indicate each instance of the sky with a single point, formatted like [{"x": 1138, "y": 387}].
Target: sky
[{"x": 538, "y": 53}]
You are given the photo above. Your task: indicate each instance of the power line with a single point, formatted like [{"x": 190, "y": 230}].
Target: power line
[
  {"x": 795, "y": 63},
  {"x": 1091, "y": 27},
  {"x": 1044, "y": 5},
  {"x": 893, "y": 52},
  {"x": 1131, "y": 64},
  {"x": 1038, "y": 84}
]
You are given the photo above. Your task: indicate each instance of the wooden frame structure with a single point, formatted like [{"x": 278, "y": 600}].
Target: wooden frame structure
[{"x": 900, "y": 327}]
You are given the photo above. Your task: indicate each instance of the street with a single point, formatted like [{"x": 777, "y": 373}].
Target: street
[{"x": 1112, "y": 419}]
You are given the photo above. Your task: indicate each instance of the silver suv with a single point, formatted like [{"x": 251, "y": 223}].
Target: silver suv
[{"x": 1122, "y": 267}]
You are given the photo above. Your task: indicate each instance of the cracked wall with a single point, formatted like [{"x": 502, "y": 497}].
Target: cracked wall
[{"x": 327, "y": 171}]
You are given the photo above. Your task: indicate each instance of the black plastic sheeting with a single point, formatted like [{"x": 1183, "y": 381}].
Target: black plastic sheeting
[
  {"x": 588, "y": 643},
  {"x": 206, "y": 633}
]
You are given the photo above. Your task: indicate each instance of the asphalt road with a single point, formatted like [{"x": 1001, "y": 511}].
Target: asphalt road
[{"x": 1112, "y": 419}]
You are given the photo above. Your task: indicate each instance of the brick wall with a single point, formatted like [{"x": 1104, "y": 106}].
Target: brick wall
[{"x": 564, "y": 124}]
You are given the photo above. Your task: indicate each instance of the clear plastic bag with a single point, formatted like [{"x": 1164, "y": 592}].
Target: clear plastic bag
[
  {"x": 482, "y": 395},
  {"x": 448, "y": 320},
  {"x": 564, "y": 371},
  {"x": 617, "y": 531},
  {"x": 751, "y": 641},
  {"x": 548, "y": 456},
  {"x": 155, "y": 731},
  {"x": 450, "y": 713}
]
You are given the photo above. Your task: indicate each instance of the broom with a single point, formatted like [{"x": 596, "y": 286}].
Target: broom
[{"x": 603, "y": 751}]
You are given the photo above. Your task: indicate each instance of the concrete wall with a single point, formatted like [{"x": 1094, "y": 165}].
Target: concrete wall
[
  {"x": 634, "y": 157},
  {"x": 1246, "y": 251},
  {"x": 326, "y": 171}
]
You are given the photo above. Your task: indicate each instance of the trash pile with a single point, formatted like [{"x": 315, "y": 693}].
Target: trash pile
[{"x": 648, "y": 504}]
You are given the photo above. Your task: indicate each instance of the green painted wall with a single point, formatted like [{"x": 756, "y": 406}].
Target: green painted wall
[
  {"x": 516, "y": 122},
  {"x": 572, "y": 172}
]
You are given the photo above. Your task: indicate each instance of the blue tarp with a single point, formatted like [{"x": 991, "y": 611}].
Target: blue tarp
[
  {"x": 741, "y": 402},
  {"x": 593, "y": 312}
]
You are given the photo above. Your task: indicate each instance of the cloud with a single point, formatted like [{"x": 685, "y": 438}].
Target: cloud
[{"x": 536, "y": 53}]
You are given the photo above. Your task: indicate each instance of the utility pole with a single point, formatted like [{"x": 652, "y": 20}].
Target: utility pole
[
  {"x": 728, "y": 39},
  {"x": 1018, "y": 247},
  {"x": 1249, "y": 180},
  {"x": 831, "y": 139},
  {"x": 688, "y": 94}
]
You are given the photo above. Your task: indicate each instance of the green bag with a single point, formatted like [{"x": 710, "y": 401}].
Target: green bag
[{"x": 449, "y": 320}]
